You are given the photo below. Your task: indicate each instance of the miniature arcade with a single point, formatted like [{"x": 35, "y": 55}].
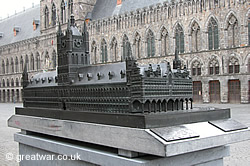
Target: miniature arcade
[{"x": 118, "y": 114}]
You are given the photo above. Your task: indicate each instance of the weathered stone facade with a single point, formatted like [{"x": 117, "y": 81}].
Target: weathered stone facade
[
  {"x": 163, "y": 21},
  {"x": 212, "y": 38}
]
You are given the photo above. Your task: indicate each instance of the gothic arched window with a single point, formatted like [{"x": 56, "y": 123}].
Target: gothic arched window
[
  {"x": 21, "y": 64},
  {"x": 137, "y": 43},
  {"x": 104, "y": 51},
  {"x": 46, "y": 17},
  {"x": 164, "y": 42},
  {"x": 232, "y": 27},
  {"x": 16, "y": 65},
  {"x": 47, "y": 61},
  {"x": 195, "y": 37},
  {"x": 114, "y": 49},
  {"x": 196, "y": 68},
  {"x": 94, "y": 51},
  {"x": 214, "y": 67},
  {"x": 3, "y": 67},
  {"x": 38, "y": 64},
  {"x": 3, "y": 83},
  {"x": 7, "y": 66},
  {"x": 70, "y": 7},
  {"x": 53, "y": 14},
  {"x": 63, "y": 12},
  {"x": 150, "y": 44},
  {"x": 27, "y": 62},
  {"x": 12, "y": 66},
  {"x": 179, "y": 39},
  {"x": 233, "y": 65},
  {"x": 12, "y": 82},
  {"x": 126, "y": 48},
  {"x": 213, "y": 35},
  {"x": 32, "y": 62}
]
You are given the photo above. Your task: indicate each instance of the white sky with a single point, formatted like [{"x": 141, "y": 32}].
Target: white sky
[{"x": 8, "y": 7}]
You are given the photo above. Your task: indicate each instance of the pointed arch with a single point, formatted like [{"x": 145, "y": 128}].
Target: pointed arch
[
  {"x": 104, "y": 51},
  {"x": 16, "y": 64},
  {"x": 233, "y": 65},
  {"x": 232, "y": 28},
  {"x": 150, "y": 43},
  {"x": 53, "y": 18},
  {"x": 137, "y": 44},
  {"x": 63, "y": 12},
  {"x": 126, "y": 48},
  {"x": 164, "y": 41},
  {"x": 46, "y": 17},
  {"x": 114, "y": 49},
  {"x": 179, "y": 38},
  {"x": 195, "y": 34},
  {"x": 213, "y": 34}
]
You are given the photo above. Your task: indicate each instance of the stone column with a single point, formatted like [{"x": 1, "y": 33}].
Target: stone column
[
  {"x": 205, "y": 91},
  {"x": 244, "y": 89},
  {"x": 224, "y": 90}
]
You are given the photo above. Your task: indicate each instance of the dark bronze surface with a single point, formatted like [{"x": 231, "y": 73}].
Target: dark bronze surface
[{"x": 228, "y": 125}]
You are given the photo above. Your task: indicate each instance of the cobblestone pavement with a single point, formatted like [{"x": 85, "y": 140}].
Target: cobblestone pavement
[{"x": 240, "y": 152}]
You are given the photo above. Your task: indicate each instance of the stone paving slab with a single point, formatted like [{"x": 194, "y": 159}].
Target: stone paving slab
[{"x": 240, "y": 152}]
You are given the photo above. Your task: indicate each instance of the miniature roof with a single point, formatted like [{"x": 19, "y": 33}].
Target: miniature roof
[{"x": 24, "y": 20}]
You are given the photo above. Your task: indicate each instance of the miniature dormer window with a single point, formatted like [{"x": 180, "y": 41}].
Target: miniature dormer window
[
  {"x": 16, "y": 30},
  {"x": 35, "y": 24},
  {"x": 111, "y": 74},
  {"x": 122, "y": 73},
  {"x": 37, "y": 80},
  {"x": 1, "y": 35},
  {"x": 99, "y": 75},
  {"x": 80, "y": 76},
  {"x": 50, "y": 79},
  {"x": 89, "y": 75}
]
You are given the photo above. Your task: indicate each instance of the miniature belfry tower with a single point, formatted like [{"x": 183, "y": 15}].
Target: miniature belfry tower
[{"x": 73, "y": 52}]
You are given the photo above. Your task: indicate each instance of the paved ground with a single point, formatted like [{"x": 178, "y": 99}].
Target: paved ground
[{"x": 240, "y": 152}]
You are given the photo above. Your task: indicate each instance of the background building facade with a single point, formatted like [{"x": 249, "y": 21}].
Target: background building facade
[{"x": 211, "y": 36}]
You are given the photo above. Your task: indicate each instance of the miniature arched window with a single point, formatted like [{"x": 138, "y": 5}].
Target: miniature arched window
[
  {"x": 16, "y": 64},
  {"x": 54, "y": 59},
  {"x": 46, "y": 17},
  {"x": 164, "y": 42},
  {"x": 12, "y": 66},
  {"x": 233, "y": 65},
  {"x": 3, "y": 83},
  {"x": 104, "y": 51},
  {"x": 214, "y": 67},
  {"x": 8, "y": 82},
  {"x": 53, "y": 19},
  {"x": 195, "y": 37},
  {"x": 27, "y": 62},
  {"x": 137, "y": 42},
  {"x": 213, "y": 35},
  {"x": 32, "y": 62},
  {"x": 63, "y": 12},
  {"x": 114, "y": 49},
  {"x": 7, "y": 66},
  {"x": 38, "y": 63},
  {"x": 196, "y": 68},
  {"x": 12, "y": 82},
  {"x": 232, "y": 27},
  {"x": 17, "y": 82},
  {"x": 150, "y": 44},
  {"x": 3, "y": 67},
  {"x": 70, "y": 7},
  {"x": 179, "y": 39},
  {"x": 126, "y": 48},
  {"x": 21, "y": 64},
  {"x": 94, "y": 51}
]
